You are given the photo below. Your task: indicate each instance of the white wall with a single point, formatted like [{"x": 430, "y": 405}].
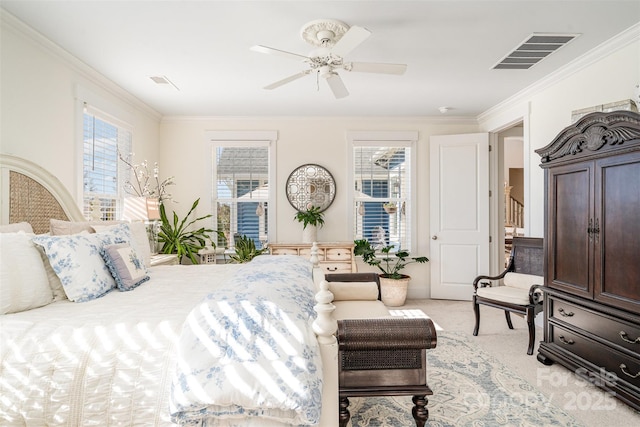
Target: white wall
[
  {"x": 41, "y": 89},
  {"x": 321, "y": 140},
  {"x": 612, "y": 77},
  {"x": 513, "y": 149}
]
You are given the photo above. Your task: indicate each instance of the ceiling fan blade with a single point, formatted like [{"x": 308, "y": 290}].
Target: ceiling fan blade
[
  {"x": 376, "y": 67},
  {"x": 350, "y": 40},
  {"x": 337, "y": 86},
  {"x": 272, "y": 51},
  {"x": 287, "y": 80}
]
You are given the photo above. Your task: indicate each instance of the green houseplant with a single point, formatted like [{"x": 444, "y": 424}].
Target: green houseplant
[
  {"x": 311, "y": 219},
  {"x": 312, "y": 216},
  {"x": 245, "y": 250},
  {"x": 393, "y": 284},
  {"x": 176, "y": 238},
  {"x": 389, "y": 265}
]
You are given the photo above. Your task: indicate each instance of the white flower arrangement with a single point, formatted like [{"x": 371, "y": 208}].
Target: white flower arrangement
[{"x": 143, "y": 186}]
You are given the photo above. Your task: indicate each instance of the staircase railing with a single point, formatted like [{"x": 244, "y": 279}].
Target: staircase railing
[{"x": 514, "y": 210}]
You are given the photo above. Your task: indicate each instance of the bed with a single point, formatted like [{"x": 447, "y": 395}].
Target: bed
[{"x": 157, "y": 348}]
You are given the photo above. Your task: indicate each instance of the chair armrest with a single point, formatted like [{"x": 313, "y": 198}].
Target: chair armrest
[
  {"x": 498, "y": 277},
  {"x": 536, "y": 294},
  {"x": 385, "y": 334}
]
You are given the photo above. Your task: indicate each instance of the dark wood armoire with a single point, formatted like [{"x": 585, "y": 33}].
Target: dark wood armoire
[{"x": 592, "y": 252}]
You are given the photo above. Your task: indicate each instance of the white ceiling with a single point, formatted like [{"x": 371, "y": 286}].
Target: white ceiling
[{"x": 450, "y": 47}]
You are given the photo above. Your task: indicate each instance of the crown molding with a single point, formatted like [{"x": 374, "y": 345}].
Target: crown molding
[
  {"x": 610, "y": 46},
  {"x": 18, "y": 27},
  {"x": 430, "y": 120}
]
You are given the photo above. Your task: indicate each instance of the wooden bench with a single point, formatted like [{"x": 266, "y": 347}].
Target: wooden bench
[{"x": 381, "y": 356}]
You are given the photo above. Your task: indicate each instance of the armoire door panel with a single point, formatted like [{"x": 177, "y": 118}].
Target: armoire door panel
[
  {"x": 572, "y": 201},
  {"x": 617, "y": 251}
]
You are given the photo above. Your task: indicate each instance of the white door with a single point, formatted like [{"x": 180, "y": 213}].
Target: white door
[{"x": 459, "y": 212}]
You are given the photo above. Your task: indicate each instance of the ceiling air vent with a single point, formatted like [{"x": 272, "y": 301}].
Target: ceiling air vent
[
  {"x": 164, "y": 80},
  {"x": 532, "y": 50}
]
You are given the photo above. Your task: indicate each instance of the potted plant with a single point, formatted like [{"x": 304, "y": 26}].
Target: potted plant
[
  {"x": 390, "y": 207},
  {"x": 177, "y": 239},
  {"x": 311, "y": 219},
  {"x": 246, "y": 250},
  {"x": 393, "y": 284}
]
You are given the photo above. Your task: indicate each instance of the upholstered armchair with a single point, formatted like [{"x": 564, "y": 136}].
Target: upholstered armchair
[{"x": 518, "y": 289}]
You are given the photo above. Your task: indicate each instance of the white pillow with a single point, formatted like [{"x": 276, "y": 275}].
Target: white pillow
[
  {"x": 354, "y": 291},
  {"x": 60, "y": 227},
  {"x": 138, "y": 233},
  {"x": 15, "y": 227},
  {"x": 77, "y": 261},
  {"x": 54, "y": 280},
  {"x": 23, "y": 280},
  {"x": 125, "y": 266}
]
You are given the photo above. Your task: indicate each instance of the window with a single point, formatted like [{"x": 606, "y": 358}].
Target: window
[
  {"x": 103, "y": 174},
  {"x": 241, "y": 195},
  {"x": 383, "y": 187}
]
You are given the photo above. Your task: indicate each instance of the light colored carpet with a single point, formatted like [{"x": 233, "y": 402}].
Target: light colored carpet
[
  {"x": 489, "y": 380},
  {"x": 470, "y": 386}
]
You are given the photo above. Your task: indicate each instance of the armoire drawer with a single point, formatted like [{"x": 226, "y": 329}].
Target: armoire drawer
[
  {"x": 617, "y": 365},
  {"x": 610, "y": 329}
]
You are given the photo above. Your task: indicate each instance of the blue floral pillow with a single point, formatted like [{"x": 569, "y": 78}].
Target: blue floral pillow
[
  {"x": 78, "y": 263},
  {"x": 126, "y": 267}
]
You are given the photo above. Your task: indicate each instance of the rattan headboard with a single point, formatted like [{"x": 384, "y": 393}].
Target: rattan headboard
[{"x": 30, "y": 193}]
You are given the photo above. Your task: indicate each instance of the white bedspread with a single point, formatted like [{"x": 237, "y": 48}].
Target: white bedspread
[
  {"x": 248, "y": 352},
  {"x": 107, "y": 362}
]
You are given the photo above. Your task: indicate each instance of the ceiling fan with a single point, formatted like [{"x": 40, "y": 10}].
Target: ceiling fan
[{"x": 334, "y": 40}]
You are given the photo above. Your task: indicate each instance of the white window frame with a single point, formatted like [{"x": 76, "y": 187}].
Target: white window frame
[
  {"x": 383, "y": 139},
  {"x": 88, "y": 101},
  {"x": 215, "y": 139}
]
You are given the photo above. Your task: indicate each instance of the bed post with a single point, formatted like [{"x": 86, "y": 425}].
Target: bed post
[{"x": 325, "y": 327}]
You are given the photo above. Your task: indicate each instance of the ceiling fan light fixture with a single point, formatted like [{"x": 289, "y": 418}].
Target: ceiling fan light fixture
[
  {"x": 334, "y": 40},
  {"x": 323, "y": 32},
  {"x": 325, "y": 36},
  {"x": 327, "y": 72},
  {"x": 320, "y": 52}
]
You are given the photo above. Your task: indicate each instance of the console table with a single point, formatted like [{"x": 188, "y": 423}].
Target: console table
[{"x": 334, "y": 257}]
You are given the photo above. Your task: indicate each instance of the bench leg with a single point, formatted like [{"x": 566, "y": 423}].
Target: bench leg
[
  {"x": 343, "y": 412},
  {"x": 420, "y": 412}
]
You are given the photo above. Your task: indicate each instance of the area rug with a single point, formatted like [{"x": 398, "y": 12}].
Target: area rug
[{"x": 470, "y": 388}]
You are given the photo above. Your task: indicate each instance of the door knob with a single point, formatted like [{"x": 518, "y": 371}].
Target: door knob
[{"x": 435, "y": 237}]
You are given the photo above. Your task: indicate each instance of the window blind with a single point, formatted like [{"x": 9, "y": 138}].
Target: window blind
[
  {"x": 103, "y": 175},
  {"x": 382, "y": 183},
  {"x": 242, "y": 192}
]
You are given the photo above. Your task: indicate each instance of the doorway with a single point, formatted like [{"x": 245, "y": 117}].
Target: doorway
[{"x": 511, "y": 173}]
